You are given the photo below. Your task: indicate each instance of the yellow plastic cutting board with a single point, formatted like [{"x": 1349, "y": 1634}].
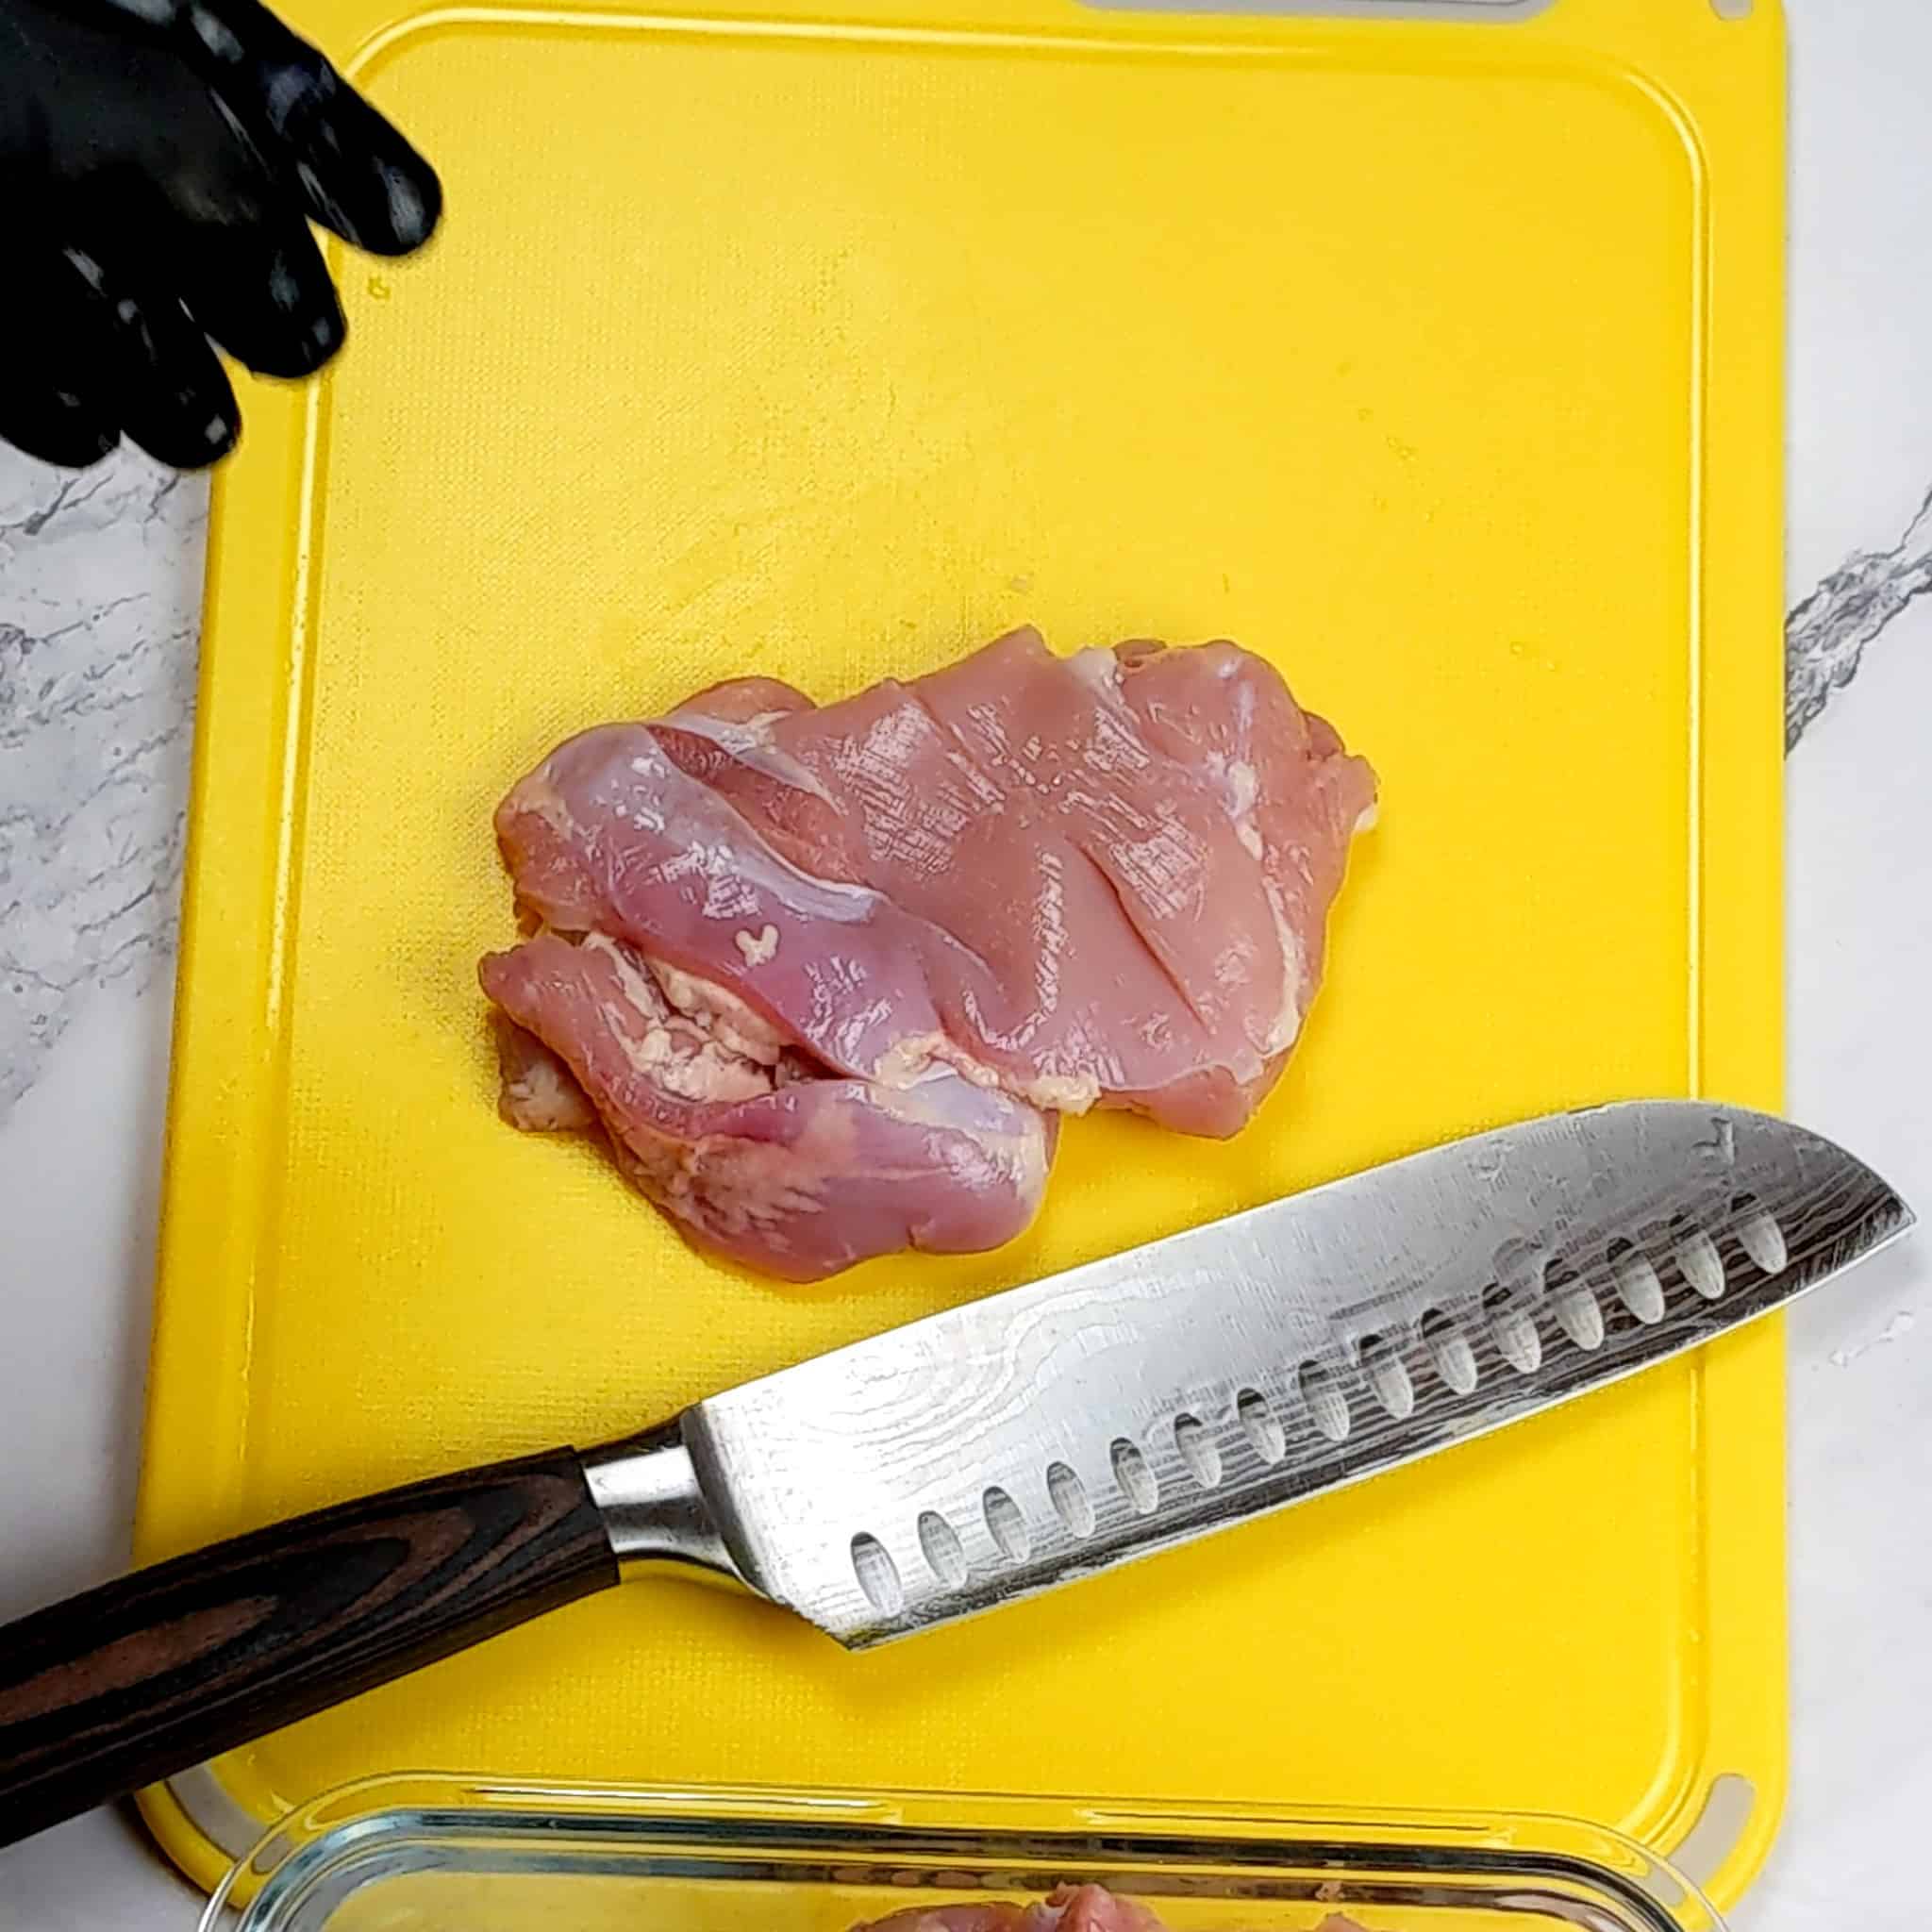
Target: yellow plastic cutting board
[{"x": 1439, "y": 362}]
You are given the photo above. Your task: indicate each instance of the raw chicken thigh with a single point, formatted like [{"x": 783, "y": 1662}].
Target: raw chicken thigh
[
  {"x": 1071, "y": 1909},
  {"x": 829, "y": 975}
]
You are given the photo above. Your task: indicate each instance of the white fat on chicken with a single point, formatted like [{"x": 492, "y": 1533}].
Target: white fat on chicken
[
  {"x": 726, "y": 1017},
  {"x": 685, "y": 1052}
]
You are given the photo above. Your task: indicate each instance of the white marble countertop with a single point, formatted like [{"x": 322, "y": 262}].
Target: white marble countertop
[{"x": 99, "y": 595}]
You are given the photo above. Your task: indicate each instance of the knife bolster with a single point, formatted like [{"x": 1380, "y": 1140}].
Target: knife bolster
[{"x": 654, "y": 1508}]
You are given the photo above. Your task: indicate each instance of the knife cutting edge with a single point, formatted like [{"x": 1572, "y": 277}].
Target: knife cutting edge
[{"x": 995, "y": 1450}]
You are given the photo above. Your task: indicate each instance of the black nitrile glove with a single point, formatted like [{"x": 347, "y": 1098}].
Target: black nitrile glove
[{"x": 159, "y": 163}]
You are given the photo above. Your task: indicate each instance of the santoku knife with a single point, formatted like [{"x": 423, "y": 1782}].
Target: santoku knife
[{"x": 995, "y": 1450}]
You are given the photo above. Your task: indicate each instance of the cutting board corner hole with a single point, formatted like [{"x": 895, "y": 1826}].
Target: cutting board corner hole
[{"x": 1709, "y": 1845}]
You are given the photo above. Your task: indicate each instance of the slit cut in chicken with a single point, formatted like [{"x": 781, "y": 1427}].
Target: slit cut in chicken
[{"x": 828, "y": 976}]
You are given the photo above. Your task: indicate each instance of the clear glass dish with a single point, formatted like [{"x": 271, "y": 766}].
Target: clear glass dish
[{"x": 448, "y": 1855}]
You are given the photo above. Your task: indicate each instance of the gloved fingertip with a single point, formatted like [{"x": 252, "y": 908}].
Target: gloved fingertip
[
  {"x": 361, "y": 177},
  {"x": 297, "y": 346},
  {"x": 329, "y": 330},
  {"x": 220, "y": 434},
  {"x": 210, "y": 440},
  {"x": 184, "y": 446},
  {"x": 396, "y": 214},
  {"x": 415, "y": 205},
  {"x": 65, "y": 450},
  {"x": 86, "y": 444},
  {"x": 60, "y": 432}
]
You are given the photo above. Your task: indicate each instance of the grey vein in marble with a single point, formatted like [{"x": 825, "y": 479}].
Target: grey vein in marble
[
  {"x": 100, "y": 594},
  {"x": 1826, "y": 635}
]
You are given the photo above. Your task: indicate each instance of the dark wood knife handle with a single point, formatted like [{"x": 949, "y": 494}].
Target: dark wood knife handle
[{"x": 151, "y": 1674}]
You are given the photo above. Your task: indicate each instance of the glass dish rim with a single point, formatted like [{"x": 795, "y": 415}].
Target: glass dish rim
[{"x": 1005, "y": 1829}]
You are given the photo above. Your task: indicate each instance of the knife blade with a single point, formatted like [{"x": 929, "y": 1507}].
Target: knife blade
[
  {"x": 995, "y": 1450},
  {"x": 1123, "y": 1407}
]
